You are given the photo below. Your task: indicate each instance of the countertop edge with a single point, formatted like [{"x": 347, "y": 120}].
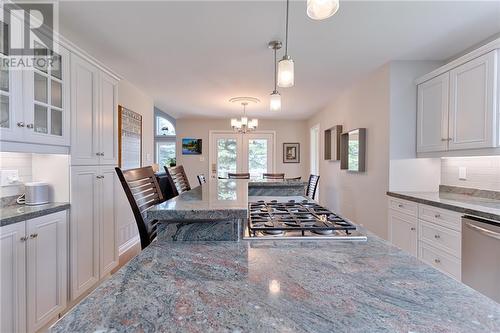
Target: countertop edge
[
  {"x": 31, "y": 215},
  {"x": 454, "y": 207}
]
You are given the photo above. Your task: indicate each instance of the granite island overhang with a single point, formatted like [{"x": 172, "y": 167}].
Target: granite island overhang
[
  {"x": 216, "y": 210},
  {"x": 281, "y": 286}
]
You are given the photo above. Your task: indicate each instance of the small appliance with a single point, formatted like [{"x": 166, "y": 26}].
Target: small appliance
[{"x": 37, "y": 193}]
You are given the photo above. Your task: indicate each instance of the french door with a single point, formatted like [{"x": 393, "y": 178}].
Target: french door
[{"x": 234, "y": 152}]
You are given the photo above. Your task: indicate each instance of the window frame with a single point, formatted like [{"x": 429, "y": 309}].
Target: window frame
[{"x": 159, "y": 138}]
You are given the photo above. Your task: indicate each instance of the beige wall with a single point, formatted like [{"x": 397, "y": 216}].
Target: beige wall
[
  {"x": 134, "y": 99},
  {"x": 359, "y": 196},
  {"x": 286, "y": 131}
]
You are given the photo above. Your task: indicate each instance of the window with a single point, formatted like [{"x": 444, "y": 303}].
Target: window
[{"x": 164, "y": 141}]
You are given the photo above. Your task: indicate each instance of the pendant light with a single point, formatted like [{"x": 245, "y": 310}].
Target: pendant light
[
  {"x": 275, "y": 99},
  {"x": 322, "y": 9},
  {"x": 285, "y": 65}
]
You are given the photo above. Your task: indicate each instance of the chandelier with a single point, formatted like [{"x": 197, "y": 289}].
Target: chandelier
[{"x": 244, "y": 125}]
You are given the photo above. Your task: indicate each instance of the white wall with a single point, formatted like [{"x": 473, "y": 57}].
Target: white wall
[
  {"x": 16, "y": 161},
  {"x": 481, "y": 172},
  {"x": 286, "y": 131},
  {"x": 134, "y": 99},
  {"x": 359, "y": 196}
]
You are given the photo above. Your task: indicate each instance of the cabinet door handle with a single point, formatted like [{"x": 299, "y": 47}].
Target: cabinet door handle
[
  {"x": 449, "y": 139},
  {"x": 33, "y": 236},
  {"x": 98, "y": 154},
  {"x": 437, "y": 216},
  {"x": 20, "y": 124},
  {"x": 400, "y": 205},
  {"x": 412, "y": 229},
  {"x": 437, "y": 236},
  {"x": 437, "y": 261},
  {"x": 24, "y": 239},
  {"x": 102, "y": 154},
  {"x": 30, "y": 126}
]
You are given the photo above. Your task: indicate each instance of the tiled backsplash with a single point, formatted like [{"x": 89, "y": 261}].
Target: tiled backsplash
[
  {"x": 481, "y": 172},
  {"x": 16, "y": 161}
]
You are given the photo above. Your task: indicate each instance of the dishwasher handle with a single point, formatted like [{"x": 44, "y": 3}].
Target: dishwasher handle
[{"x": 468, "y": 222}]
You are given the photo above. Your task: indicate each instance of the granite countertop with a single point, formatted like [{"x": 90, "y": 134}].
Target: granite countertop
[
  {"x": 483, "y": 207},
  {"x": 282, "y": 286},
  {"x": 275, "y": 183},
  {"x": 216, "y": 199},
  {"x": 17, "y": 213}
]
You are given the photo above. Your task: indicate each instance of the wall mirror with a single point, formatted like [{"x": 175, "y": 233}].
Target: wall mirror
[{"x": 353, "y": 150}]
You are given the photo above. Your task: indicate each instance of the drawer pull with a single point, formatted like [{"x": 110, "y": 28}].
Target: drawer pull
[
  {"x": 412, "y": 229},
  {"x": 437, "y": 236},
  {"x": 437, "y": 261},
  {"x": 437, "y": 216},
  {"x": 400, "y": 205}
]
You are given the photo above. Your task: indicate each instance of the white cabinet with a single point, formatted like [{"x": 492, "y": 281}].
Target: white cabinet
[
  {"x": 459, "y": 109},
  {"x": 473, "y": 112},
  {"x": 13, "y": 277},
  {"x": 403, "y": 231},
  {"x": 46, "y": 268},
  {"x": 94, "y": 126},
  {"x": 33, "y": 272},
  {"x": 434, "y": 235},
  {"x": 35, "y": 105},
  {"x": 432, "y": 114},
  {"x": 94, "y": 248}
]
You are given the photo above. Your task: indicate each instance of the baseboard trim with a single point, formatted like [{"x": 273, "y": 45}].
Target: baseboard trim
[{"x": 128, "y": 245}]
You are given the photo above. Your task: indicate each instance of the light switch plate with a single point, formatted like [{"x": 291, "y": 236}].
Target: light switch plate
[
  {"x": 462, "y": 173},
  {"x": 9, "y": 177}
]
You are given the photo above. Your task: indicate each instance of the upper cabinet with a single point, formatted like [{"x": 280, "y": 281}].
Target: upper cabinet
[
  {"x": 459, "y": 109},
  {"x": 473, "y": 112},
  {"x": 94, "y": 125},
  {"x": 432, "y": 114},
  {"x": 35, "y": 106}
]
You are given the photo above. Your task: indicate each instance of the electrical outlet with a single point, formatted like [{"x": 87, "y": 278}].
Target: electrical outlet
[
  {"x": 462, "y": 173},
  {"x": 9, "y": 177}
]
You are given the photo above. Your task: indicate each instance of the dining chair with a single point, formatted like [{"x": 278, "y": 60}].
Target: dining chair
[
  {"x": 179, "y": 178},
  {"x": 166, "y": 184},
  {"x": 201, "y": 179},
  {"x": 238, "y": 175},
  {"x": 273, "y": 175},
  {"x": 142, "y": 191},
  {"x": 294, "y": 178},
  {"x": 312, "y": 186}
]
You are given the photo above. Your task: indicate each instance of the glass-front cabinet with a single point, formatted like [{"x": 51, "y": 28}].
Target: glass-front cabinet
[
  {"x": 46, "y": 100},
  {"x": 34, "y": 101}
]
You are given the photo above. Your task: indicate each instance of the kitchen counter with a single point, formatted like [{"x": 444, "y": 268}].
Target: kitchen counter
[
  {"x": 280, "y": 286},
  {"x": 17, "y": 213},
  {"x": 277, "y": 187},
  {"x": 488, "y": 208}
]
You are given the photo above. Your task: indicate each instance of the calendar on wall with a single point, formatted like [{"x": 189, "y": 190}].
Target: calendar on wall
[{"x": 130, "y": 139}]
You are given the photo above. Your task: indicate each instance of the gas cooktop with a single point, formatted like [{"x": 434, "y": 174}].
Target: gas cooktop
[{"x": 294, "y": 219}]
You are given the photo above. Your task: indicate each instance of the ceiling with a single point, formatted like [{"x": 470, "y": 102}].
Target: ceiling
[{"x": 192, "y": 56}]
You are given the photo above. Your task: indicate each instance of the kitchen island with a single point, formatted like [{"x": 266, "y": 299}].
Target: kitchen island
[
  {"x": 280, "y": 286},
  {"x": 215, "y": 210}
]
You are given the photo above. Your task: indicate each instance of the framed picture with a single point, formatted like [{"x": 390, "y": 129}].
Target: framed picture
[
  {"x": 291, "y": 152},
  {"x": 191, "y": 146},
  {"x": 129, "y": 139}
]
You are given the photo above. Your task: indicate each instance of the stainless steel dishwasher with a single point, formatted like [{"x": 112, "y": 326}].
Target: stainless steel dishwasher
[{"x": 481, "y": 255}]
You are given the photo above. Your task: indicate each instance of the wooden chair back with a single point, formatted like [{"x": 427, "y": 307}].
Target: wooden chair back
[
  {"x": 312, "y": 186},
  {"x": 273, "y": 175},
  {"x": 238, "y": 175},
  {"x": 142, "y": 190},
  {"x": 201, "y": 179},
  {"x": 166, "y": 184},
  {"x": 179, "y": 178}
]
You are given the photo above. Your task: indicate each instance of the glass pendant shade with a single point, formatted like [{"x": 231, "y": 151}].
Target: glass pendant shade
[
  {"x": 275, "y": 101},
  {"x": 321, "y": 9},
  {"x": 234, "y": 122},
  {"x": 286, "y": 73}
]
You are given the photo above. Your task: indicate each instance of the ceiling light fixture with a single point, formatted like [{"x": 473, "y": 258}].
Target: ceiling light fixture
[
  {"x": 285, "y": 65},
  {"x": 275, "y": 99},
  {"x": 244, "y": 125},
  {"x": 322, "y": 9}
]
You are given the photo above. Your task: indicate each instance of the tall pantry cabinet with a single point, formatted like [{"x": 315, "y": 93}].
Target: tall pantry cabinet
[{"x": 94, "y": 155}]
